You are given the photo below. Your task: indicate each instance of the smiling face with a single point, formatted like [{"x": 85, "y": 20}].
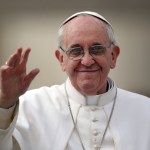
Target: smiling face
[{"x": 89, "y": 74}]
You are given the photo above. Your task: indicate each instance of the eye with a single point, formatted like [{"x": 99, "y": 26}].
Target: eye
[
  {"x": 97, "y": 49},
  {"x": 75, "y": 52}
]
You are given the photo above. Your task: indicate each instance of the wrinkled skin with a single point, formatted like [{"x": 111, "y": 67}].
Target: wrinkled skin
[
  {"x": 13, "y": 78},
  {"x": 88, "y": 75}
]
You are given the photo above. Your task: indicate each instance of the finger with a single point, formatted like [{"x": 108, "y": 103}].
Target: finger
[
  {"x": 14, "y": 57},
  {"x": 25, "y": 56},
  {"x": 3, "y": 71},
  {"x": 19, "y": 53},
  {"x": 29, "y": 78}
]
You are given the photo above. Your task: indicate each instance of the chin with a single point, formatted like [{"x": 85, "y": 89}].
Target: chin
[{"x": 88, "y": 86}]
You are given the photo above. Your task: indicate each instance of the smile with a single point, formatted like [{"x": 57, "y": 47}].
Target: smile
[{"x": 87, "y": 70}]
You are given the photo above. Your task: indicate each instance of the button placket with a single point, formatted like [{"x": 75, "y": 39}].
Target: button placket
[
  {"x": 95, "y": 130},
  {"x": 98, "y": 124}
]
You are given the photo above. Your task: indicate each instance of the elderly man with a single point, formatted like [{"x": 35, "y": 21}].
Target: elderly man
[{"x": 88, "y": 111}]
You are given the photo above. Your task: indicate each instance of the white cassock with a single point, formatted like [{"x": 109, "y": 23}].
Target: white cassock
[{"x": 44, "y": 121}]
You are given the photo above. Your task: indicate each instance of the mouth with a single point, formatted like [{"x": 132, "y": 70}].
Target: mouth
[{"x": 88, "y": 69}]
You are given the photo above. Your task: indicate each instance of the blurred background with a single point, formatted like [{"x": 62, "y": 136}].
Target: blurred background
[{"x": 35, "y": 24}]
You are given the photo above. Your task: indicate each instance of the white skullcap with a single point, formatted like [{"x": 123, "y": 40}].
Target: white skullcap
[{"x": 87, "y": 13}]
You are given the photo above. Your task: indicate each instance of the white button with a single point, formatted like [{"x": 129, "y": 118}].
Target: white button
[
  {"x": 94, "y": 119},
  {"x": 96, "y": 147},
  {"x": 93, "y": 108},
  {"x": 95, "y": 132}
]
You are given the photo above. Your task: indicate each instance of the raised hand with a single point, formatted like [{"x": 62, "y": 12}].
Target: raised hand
[{"x": 14, "y": 81}]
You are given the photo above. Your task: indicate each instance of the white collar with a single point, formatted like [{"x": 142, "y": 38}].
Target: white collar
[{"x": 99, "y": 100}]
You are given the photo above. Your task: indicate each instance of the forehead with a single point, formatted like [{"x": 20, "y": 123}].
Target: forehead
[
  {"x": 84, "y": 21},
  {"x": 84, "y": 28}
]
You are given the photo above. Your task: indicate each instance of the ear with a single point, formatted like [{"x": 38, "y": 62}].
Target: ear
[
  {"x": 115, "y": 53},
  {"x": 60, "y": 58}
]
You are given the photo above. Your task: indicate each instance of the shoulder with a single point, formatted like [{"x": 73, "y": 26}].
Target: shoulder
[
  {"x": 132, "y": 99},
  {"x": 131, "y": 111},
  {"x": 44, "y": 96},
  {"x": 45, "y": 90},
  {"x": 131, "y": 95}
]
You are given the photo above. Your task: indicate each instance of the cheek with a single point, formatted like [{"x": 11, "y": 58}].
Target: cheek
[
  {"x": 104, "y": 63},
  {"x": 64, "y": 64},
  {"x": 69, "y": 67},
  {"x": 108, "y": 62}
]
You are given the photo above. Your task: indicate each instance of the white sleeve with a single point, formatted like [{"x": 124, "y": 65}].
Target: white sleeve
[{"x": 8, "y": 118}]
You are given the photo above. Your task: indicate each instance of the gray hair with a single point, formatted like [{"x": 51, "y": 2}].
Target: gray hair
[{"x": 108, "y": 28}]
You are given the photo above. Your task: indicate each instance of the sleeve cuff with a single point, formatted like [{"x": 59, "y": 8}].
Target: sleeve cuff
[{"x": 6, "y": 117}]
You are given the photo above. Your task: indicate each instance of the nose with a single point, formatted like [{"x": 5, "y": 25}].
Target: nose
[{"x": 87, "y": 59}]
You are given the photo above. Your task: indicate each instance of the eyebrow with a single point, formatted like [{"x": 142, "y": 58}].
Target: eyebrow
[
  {"x": 75, "y": 45},
  {"x": 78, "y": 45},
  {"x": 96, "y": 44}
]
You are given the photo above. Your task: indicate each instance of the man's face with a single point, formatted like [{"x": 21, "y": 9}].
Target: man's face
[{"x": 88, "y": 75}]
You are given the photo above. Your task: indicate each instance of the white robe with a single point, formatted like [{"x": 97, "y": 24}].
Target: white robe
[{"x": 44, "y": 121}]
